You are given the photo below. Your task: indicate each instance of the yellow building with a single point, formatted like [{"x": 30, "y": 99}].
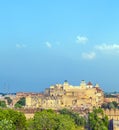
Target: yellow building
[{"x": 84, "y": 96}]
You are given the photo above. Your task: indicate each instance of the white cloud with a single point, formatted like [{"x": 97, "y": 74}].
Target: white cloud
[
  {"x": 81, "y": 39},
  {"x": 21, "y": 46},
  {"x": 108, "y": 47},
  {"x": 89, "y": 56},
  {"x": 48, "y": 44}
]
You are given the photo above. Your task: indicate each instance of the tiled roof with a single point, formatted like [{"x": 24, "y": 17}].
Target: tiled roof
[{"x": 89, "y": 83}]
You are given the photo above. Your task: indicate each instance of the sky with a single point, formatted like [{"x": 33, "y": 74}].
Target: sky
[{"x": 44, "y": 42}]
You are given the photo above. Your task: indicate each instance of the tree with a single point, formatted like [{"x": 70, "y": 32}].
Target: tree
[
  {"x": 17, "y": 105},
  {"x": 17, "y": 118},
  {"x": 64, "y": 122},
  {"x": 49, "y": 120},
  {"x": 7, "y": 125},
  {"x": 110, "y": 105},
  {"x": 9, "y": 100},
  {"x": 30, "y": 124},
  {"x": 44, "y": 120},
  {"x": 79, "y": 121},
  {"x": 3, "y": 104},
  {"x": 97, "y": 120},
  {"x": 115, "y": 104},
  {"x": 104, "y": 105},
  {"x": 20, "y": 103}
]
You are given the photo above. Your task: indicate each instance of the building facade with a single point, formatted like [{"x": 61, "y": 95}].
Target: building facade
[{"x": 58, "y": 96}]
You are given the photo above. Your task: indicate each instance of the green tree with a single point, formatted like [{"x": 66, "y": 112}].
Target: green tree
[
  {"x": 104, "y": 105},
  {"x": 79, "y": 121},
  {"x": 3, "y": 104},
  {"x": 30, "y": 124},
  {"x": 22, "y": 101},
  {"x": 49, "y": 120},
  {"x": 9, "y": 100},
  {"x": 64, "y": 122},
  {"x": 111, "y": 105},
  {"x": 17, "y": 105},
  {"x": 97, "y": 120},
  {"x": 18, "y": 119},
  {"x": 115, "y": 104},
  {"x": 45, "y": 120},
  {"x": 7, "y": 125}
]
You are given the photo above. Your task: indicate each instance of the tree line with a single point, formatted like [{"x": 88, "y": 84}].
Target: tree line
[
  {"x": 110, "y": 105},
  {"x": 50, "y": 120}
]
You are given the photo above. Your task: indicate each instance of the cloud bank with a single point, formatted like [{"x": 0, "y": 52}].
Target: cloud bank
[{"x": 107, "y": 47}]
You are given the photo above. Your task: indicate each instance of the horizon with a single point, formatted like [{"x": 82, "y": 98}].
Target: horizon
[
  {"x": 74, "y": 85},
  {"x": 45, "y": 42}
]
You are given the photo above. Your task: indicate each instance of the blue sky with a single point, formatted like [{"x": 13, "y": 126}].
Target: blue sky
[{"x": 45, "y": 42}]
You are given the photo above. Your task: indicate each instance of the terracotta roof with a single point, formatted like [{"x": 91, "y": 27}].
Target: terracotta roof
[{"x": 89, "y": 83}]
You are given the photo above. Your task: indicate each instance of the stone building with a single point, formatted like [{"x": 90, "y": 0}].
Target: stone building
[{"x": 58, "y": 96}]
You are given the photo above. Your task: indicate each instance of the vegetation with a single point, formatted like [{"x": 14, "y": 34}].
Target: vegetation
[
  {"x": 12, "y": 120},
  {"x": 79, "y": 121},
  {"x": 9, "y": 100},
  {"x": 17, "y": 105},
  {"x": 97, "y": 120},
  {"x": 3, "y": 104},
  {"x": 7, "y": 125},
  {"x": 20, "y": 103},
  {"x": 50, "y": 120},
  {"x": 43, "y": 120},
  {"x": 110, "y": 105}
]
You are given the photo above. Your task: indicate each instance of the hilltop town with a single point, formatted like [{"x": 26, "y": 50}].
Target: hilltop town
[
  {"x": 58, "y": 96},
  {"x": 82, "y": 99}
]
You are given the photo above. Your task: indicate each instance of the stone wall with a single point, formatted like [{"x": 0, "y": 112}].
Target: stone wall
[{"x": 112, "y": 114}]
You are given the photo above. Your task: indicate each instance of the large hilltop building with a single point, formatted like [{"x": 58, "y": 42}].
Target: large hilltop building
[{"x": 67, "y": 96}]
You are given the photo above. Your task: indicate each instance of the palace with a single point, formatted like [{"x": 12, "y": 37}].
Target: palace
[{"x": 84, "y": 96}]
